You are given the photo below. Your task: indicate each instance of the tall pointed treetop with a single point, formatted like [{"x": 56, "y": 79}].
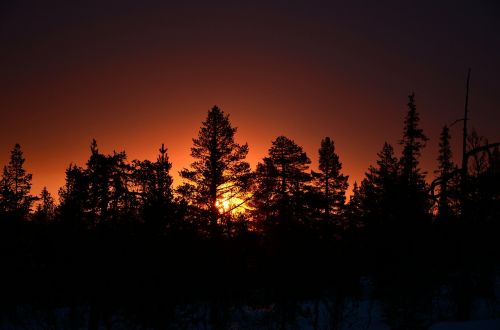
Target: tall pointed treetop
[
  {"x": 219, "y": 170},
  {"x": 413, "y": 142},
  {"x": 16, "y": 185}
]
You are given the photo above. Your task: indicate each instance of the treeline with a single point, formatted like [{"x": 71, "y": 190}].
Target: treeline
[
  {"x": 221, "y": 194},
  {"x": 122, "y": 230}
]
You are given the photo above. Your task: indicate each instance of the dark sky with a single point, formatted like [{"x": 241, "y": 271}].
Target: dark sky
[{"x": 135, "y": 74}]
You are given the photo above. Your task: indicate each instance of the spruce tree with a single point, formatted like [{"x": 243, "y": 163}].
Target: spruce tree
[
  {"x": 160, "y": 189},
  {"x": 413, "y": 142},
  {"x": 415, "y": 205},
  {"x": 381, "y": 187}
]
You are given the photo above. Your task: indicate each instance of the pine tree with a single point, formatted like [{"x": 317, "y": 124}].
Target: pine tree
[
  {"x": 282, "y": 177},
  {"x": 291, "y": 163},
  {"x": 99, "y": 193},
  {"x": 101, "y": 190},
  {"x": 330, "y": 180},
  {"x": 45, "y": 210},
  {"x": 120, "y": 198},
  {"x": 73, "y": 196},
  {"x": 266, "y": 195},
  {"x": 219, "y": 171},
  {"x": 355, "y": 206},
  {"x": 15, "y": 198}
]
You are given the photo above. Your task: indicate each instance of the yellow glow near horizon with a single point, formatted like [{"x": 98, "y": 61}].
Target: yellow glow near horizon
[{"x": 234, "y": 205}]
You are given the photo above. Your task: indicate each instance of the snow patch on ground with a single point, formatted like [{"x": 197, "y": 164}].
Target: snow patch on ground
[{"x": 468, "y": 325}]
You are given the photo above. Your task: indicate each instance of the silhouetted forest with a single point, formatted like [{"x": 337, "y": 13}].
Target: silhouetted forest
[{"x": 276, "y": 247}]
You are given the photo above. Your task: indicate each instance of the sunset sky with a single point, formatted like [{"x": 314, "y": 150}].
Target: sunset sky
[{"x": 135, "y": 74}]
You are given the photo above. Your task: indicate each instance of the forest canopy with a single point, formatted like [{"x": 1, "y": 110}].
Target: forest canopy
[
  {"x": 120, "y": 232},
  {"x": 220, "y": 189}
]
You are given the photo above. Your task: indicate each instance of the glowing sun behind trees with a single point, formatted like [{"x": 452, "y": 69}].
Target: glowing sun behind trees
[
  {"x": 231, "y": 203},
  {"x": 219, "y": 178}
]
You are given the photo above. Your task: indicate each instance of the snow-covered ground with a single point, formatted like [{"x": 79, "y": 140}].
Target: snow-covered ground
[
  {"x": 468, "y": 325},
  {"x": 329, "y": 311}
]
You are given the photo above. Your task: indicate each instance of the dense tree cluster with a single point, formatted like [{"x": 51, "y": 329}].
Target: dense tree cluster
[
  {"x": 221, "y": 195},
  {"x": 220, "y": 189},
  {"x": 280, "y": 215},
  {"x": 112, "y": 191}
]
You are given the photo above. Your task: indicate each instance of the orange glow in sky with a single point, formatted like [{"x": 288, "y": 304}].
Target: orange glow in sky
[{"x": 135, "y": 75}]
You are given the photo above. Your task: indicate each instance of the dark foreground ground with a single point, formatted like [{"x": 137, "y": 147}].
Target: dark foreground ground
[{"x": 55, "y": 278}]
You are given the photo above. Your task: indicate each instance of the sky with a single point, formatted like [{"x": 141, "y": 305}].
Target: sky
[{"x": 136, "y": 74}]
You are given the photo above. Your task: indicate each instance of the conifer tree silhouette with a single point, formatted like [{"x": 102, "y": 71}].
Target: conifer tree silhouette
[
  {"x": 45, "y": 210},
  {"x": 416, "y": 203},
  {"x": 380, "y": 188},
  {"x": 291, "y": 162},
  {"x": 121, "y": 201},
  {"x": 15, "y": 198},
  {"x": 330, "y": 179},
  {"x": 281, "y": 178},
  {"x": 413, "y": 142},
  {"x": 161, "y": 188},
  {"x": 98, "y": 176},
  {"x": 108, "y": 201},
  {"x": 108, "y": 185},
  {"x": 155, "y": 184},
  {"x": 99, "y": 193},
  {"x": 73, "y": 196},
  {"x": 445, "y": 171},
  {"x": 219, "y": 170},
  {"x": 265, "y": 196},
  {"x": 354, "y": 209}
]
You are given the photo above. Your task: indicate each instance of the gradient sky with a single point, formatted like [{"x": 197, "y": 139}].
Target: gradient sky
[{"x": 135, "y": 74}]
